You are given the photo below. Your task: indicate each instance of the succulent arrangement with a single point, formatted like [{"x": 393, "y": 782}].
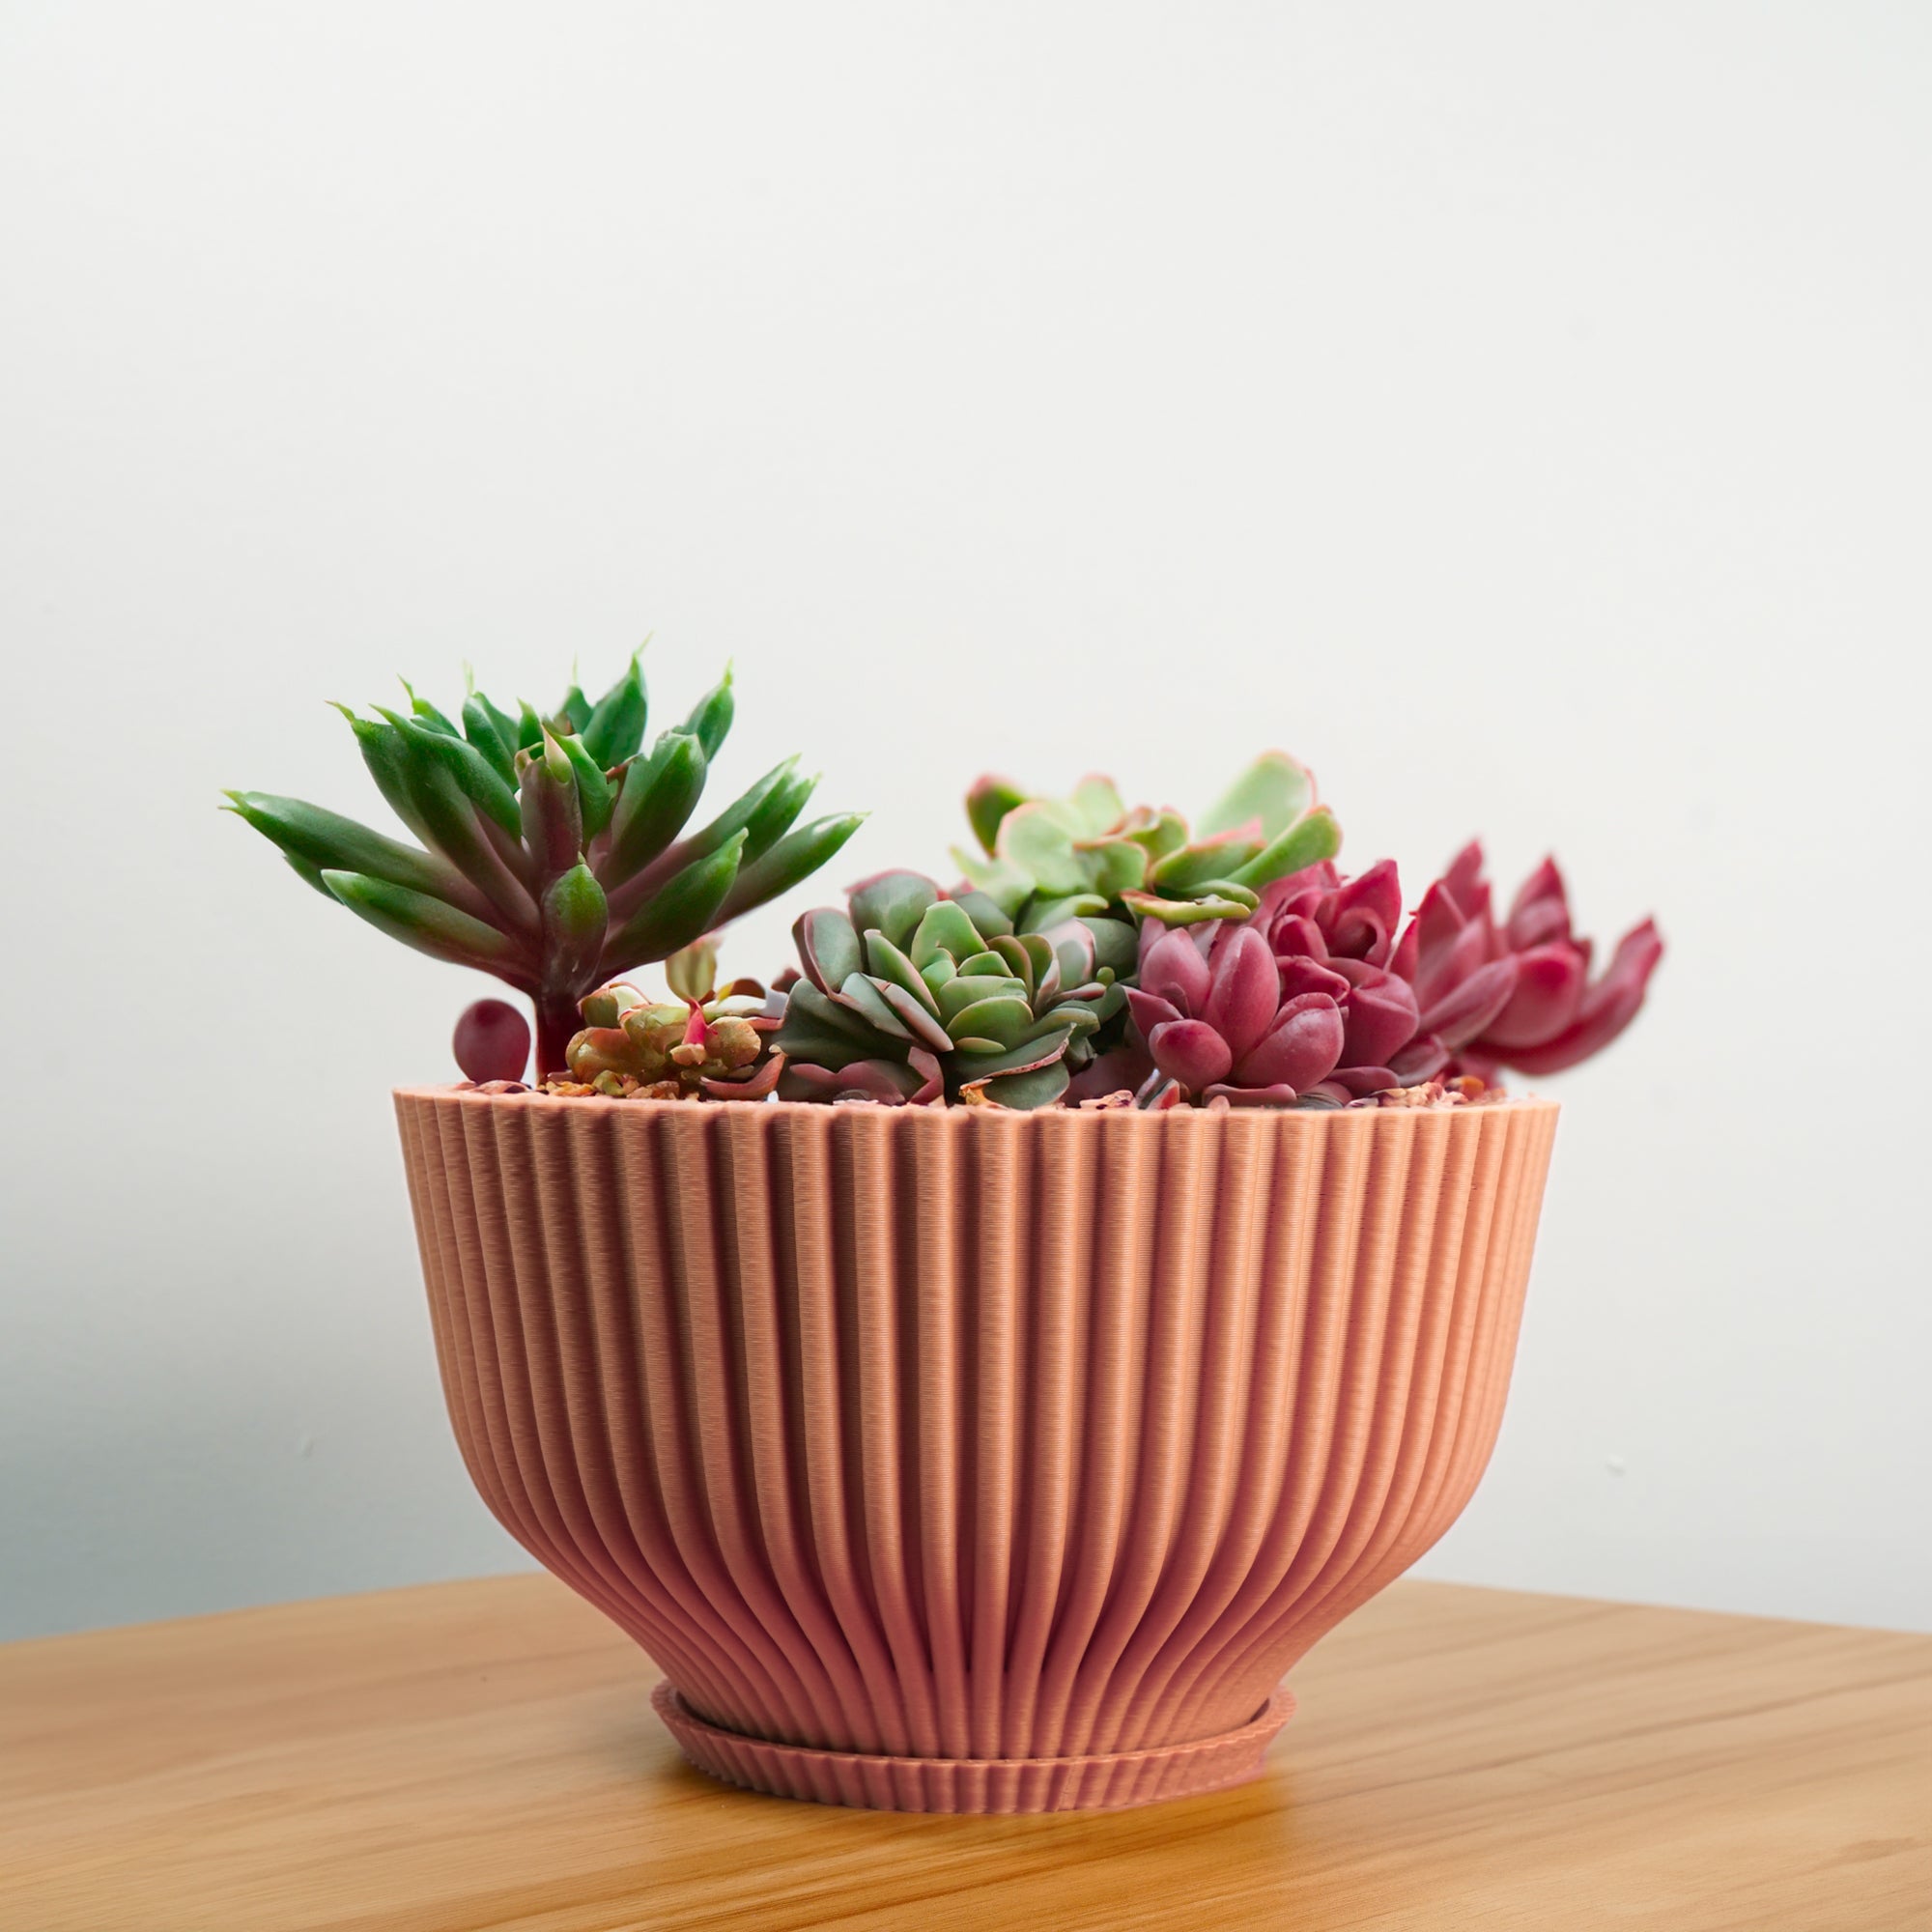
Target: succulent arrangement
[{"x": 1089, "y": 952}]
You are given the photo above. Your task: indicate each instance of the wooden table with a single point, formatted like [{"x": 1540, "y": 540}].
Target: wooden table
[{"x": 482, "y": 1755}]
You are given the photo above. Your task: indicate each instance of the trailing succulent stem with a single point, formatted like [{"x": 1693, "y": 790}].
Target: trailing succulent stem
[{"x": 554, "y": 851}]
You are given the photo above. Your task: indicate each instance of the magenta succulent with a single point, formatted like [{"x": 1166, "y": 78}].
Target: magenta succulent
[
  {"x": 1212, "y": 1012},
  {"x": 1338, "y": 936},
  {"x": 1519, "y": 995}
]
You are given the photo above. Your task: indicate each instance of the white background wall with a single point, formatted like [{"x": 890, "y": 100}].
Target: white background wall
[{"x": 1522, "y": 411}]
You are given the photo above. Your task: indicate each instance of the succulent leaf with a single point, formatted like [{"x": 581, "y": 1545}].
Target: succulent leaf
[
  {"x": 881, "y": 1080},
  {"x": 656, "y": 797},
  {"x": 683, "y": 909},
  {"x": 986, "y": 915},
  {"x": 1036, "y": 839},
  {"x": 1116, "y": 944},
  {"x": 1307, "y": 841},
  {"x": 891, "y": 904},
  {"x": 1113, "y": 866},
  {"x": 1180, "y": 873},
  {"x": 1037, "y": 1087},
  {"x": 887, "y": 963},
  {"x": 987, "y": 805},
  {"x": 869, "y": 1001},
  {"x": 966, "y": 989},
  {"x": 471, "y": 772},
  {"x": 387, "y": 757},
  {"x": 1043, "y": 914},
  {"x": 920, "y": 1022},
  {"x": 776, "y": 810},
  {"x": 1274, "y": 789},
  {"x": 829, "y": 948},
  {"x": 1019, "y": 962},
  {"x": 553, "y": 820},
  {"x": 596, "y": 798},
  {"x": 424, "y": 922},
  {"x": 615, "y": 727},
  {"x": 426, "y": 713},
  {"x": 576, "y": 918},
  {"x": 607, "y": 1004},
  {"x": 794, "y": 858},
  {"x": 818, "y": 1031},
  {"x": 454, "y": 828},
  {"x": 1006, "y": 1021},
  {"x": 1095, "y": 804},
  {"x": 1226, "y": 902},
  {"x": 760, "y": 814},
  {"x": 1042, "y": 962},
  {"x": 944, "y": 928},
  {"x": 493, "y": 732},
  {"x": 711, "y": 721},
  {"x": 692, "y": 972},
  {"x": 1158, "y": 833},
  {"x": 1029, "y": 1054},
  {"x": 1005, "y": 884},
  {"x": 326, "y": 840}
]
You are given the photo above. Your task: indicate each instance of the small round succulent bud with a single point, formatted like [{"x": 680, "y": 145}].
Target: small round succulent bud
[{"x": 492, "y": 1041}]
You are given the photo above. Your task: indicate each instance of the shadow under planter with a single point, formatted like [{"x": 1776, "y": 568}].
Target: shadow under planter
[{"x": 958, "y": 1459}]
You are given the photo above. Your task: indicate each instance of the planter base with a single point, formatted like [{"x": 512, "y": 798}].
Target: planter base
[{"x": 1109, "y": 1781}]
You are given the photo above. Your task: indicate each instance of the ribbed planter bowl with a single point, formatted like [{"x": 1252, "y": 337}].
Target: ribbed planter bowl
[{"x": 957, "y": 1459}]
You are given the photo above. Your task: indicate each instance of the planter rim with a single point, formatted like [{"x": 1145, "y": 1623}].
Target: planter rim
[{"x": 548, "y": 1102}]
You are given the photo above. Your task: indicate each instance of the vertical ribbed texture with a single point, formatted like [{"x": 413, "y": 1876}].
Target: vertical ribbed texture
[{"x": 972, "y": 1461}]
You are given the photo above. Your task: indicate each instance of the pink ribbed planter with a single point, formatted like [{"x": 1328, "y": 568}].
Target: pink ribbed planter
[{"x": 969, "y": 1461}]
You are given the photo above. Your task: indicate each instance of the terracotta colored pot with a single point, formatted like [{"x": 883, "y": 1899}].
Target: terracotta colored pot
[{"x": 969, "y": 1461}]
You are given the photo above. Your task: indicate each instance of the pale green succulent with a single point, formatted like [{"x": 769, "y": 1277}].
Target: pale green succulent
[{"x": 1045, "y": 861}]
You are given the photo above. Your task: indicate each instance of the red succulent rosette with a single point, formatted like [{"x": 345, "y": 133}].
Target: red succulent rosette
[{"x": 1519, "y": 994}]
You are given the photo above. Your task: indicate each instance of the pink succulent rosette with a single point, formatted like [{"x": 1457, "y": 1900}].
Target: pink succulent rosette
[
  {"x": 1338, "y": 936},
  {"x": 1209, "y": 1006},
  {"x": 1519, "y": 995},
  {"x": 1297, "y": 1005}
]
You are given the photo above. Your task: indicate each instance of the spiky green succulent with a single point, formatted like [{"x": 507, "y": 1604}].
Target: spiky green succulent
[
  {"x": 554, "y": 851},
  {"x": 909, "y": 995}
]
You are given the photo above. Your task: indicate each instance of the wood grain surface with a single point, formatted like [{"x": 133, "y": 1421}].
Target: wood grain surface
[{"x": 482, "y": 1754}]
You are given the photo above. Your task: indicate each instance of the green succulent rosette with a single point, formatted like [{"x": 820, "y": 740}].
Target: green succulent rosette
[
  {"x": 1087, "y": 856},
  {"x": 909, "y": 995}
]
